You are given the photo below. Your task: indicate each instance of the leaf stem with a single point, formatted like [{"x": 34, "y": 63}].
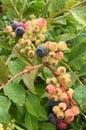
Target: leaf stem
[{"x": 21, "y": 73}]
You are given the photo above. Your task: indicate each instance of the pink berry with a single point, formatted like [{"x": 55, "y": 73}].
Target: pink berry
[
  {"x": 41, "y": 22},
  {"x": 62, "y": 125},
  {"x": 59, "y": 55},
  {"x": 22, "y": 24},
  {"x": 69, "y": 116},
  {"x": 50, "y": 88},
  {"x": 75, "y": 110},
  {"x": 63, "y": 97}
]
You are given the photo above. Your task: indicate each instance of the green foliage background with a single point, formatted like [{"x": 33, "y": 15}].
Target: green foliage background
[{"x": 66, "y": 20}]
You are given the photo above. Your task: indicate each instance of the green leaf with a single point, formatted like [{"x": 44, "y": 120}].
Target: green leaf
[
  {"x": 15, "y": 67},
  {"x": 65, "y": 37},
  {"x": 33, "y": 105},
  {"x": 34, "y": 108},
  {"x": 15, "y": 92},
  {"x": 4, "y": 71},
  {"x": 80, "y": 96},
  {"x": 77, "y": 55},
  {"x": 47, "y": 126},
  {"x": 4, "y": 107},
  {"x": 79, "y": 14},
  {"x": 31, "y": 122}
]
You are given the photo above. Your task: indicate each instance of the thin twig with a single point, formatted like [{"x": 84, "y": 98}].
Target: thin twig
[
  {"x": 72, "y": 72},
  {"x": 21, "y": 73},
  {"x": 10, "y": 55}
]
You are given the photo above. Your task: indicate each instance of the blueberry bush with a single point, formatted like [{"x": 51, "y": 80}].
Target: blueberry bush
[{"x": 43, "y": 65}]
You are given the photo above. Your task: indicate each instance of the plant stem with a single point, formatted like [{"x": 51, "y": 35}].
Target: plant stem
[
  {"x": 72, "y": 72},
  {"x": 18, "y": 14},
  {"x": 21, "y": 73}
]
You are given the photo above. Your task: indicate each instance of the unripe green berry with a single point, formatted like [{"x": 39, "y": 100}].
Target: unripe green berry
[
  {"x": 55, "y": 109},
  {"x": 22, "y": 51},
  {"x": 51, "y": 54},
  {"x": 29, "y": 30},
  {"x": 53, "y": 80},
  {"x": 53, "y": 62},
  {"x": 60, "y": 114},
  {"x": 61, "y": 70},
  {"x": 36, "y": 28},
  {"x": 12, "y": 34},
  {"x": 31, "y": 53},
  {"x": 48, "y": 80},
  {"x": 28, "y": 42},
  {"x": 21, "y": 40},
  {"x": 45, "y": 59},
  {"x": 25, "y": 36},
  {"x": 37, "y": 42}
]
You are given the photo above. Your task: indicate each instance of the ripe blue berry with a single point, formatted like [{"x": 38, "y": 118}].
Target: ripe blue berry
[
  {"x": 52, "y": 118},
  {"x": 19, "y": 31},
  {"x": 14, "y": 25},
  {"x": 51, "y": 104},
  {"x": 41, "y": 51}
]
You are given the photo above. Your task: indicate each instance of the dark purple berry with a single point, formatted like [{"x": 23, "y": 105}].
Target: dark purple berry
[
  {"x": 52, "y": 118},
  {"x": 41, "y": 51},
  {"x": 14, "y": 25},
  {"x": 51, "y": 104},
  {"x": 19, "y": 31}
]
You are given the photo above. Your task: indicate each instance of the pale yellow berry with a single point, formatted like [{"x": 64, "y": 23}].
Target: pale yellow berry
[
  {"x": 55, "y": 109},
  {"x": 21, "y": 40},
  {"x": 60, "y": 114},
  {"x": 52, "y": 54},
  {"x": 28, "y": 42},
  {"x": 8, "y": 29},
  {"x": 45, "y": 59},
  {"x": 31, "y": 53},
  {"x": 53, "y": 46},
  {"x": 13, "y": 34},
  {"x": 61, "y": 70},
  {"x": 62, "y": 45},
  {"x": 62, "y": 106}
]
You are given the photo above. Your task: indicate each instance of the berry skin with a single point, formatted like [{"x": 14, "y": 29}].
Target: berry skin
[
  {"x": 75, "y": 110},
  {"x": 62, "y": 106},
  {"x": 62, "y": 45},
  {"x": 19, "y": 31},
  {"x": 41, "y": 51},
  {"x": 61, "y": 125},
  {"x": 60, "y": 114},
  {"x": 53, "y": 46},
  {"x": 59, "y": 55},
  {"x": 51, "y": 104},
  {"x": 55, "y": 109},
  {"x": 8, "y": 29},
  {"x": 52, "y": 118},
  {"x": 69, "y": 116},
  {"x": 14, "y": 25},
  {"x": 63, "y": 97},
  {"x": 50, "y": 88},
  {"x": 61, "y": 70}
]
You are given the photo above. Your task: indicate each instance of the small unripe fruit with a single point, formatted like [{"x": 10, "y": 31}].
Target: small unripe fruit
[
  {"x": 14, "y": 25},
  {"x": 75, "y": 110},
  {"x": 8, "y": 29},
  {"x": 12, "y": 34},
  {"x": 51, "y": 54},
  {"x": 22, "y": 51},
  {"x": 27, "y": 24},
  {"x": 31, "y": 53},
  {"x": 50, "y": 88},
  {"x": 47, "y": 44},
  {"x": 62, "y": 45},
  {"x": 41, "y": 51},
  {"x": 58, "y": 91},
  {"x": 33, "y": 22},
  {"x": 53, "y": 80},
  {"x": 32, "y": 37},
  {"x": 54, "y": 98},
  {"x": 61, "y": 70},
  {"x": 28, "y": 42},
  {"x": 41, "y": 22},
  {"x": 29, "y": 30},
  {"x": 61, "y": 125},
  {"x": 37, "y": 42},
  {"x": 59, "y": 55},
  {"x": 60, "y": 114},
  {"x": 67, "y": 76},
  {"x": 44, "y": 29},
  {"x": 63, "y": 97},
  {"x": 68, "y": 82},
  {"x": 62, "y": 106},
  {"x": 36, "y": 28},
  {"x": 42, "y": 37},
  {"x": 19, "y": 31},
  {"x": 53, "y": 46},
  {"x": 22, "y": 24},
  {"x": 70, "y": 92},
  {"x": 55, "y": 109},
  {"x": 45, "y": 59},
  {"x": 53, "y": 62},
  {"x": 48, "y": 80},
  {"x": 69, "y": 114},
  {"x": 21, "y": 40},
  {"x": 25, "y": 36}
]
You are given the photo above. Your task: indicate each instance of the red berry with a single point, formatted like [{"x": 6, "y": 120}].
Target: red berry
[{"x": 61, "y": 125}]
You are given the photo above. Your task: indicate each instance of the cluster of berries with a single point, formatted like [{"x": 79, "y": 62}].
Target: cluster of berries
[
  {"x": 32, "y": 43},
  {"x": 9, "y": 126},
  {"x": 30, "y": 34},
  {"x": 62, "y": 110}
]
